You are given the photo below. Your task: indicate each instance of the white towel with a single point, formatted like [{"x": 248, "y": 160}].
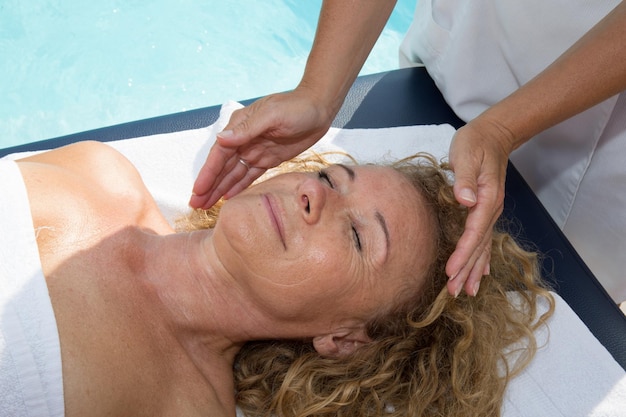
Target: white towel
[
  {"x": 30, "y": 356},
  {"x": 572, "y": 375}
]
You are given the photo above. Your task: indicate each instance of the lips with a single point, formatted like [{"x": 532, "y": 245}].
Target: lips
[{"x": 271, "y": 207}]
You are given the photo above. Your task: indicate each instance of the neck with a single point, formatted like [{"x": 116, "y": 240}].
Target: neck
[
  {"x": 192, "y": 300},
  {"x": 209, "y": 312},
  {"x": 203, "y": 305}
]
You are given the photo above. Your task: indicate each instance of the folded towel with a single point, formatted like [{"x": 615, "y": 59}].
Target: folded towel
[
  {"x": 572, "y": 374},
  {"x": 30, "y": 355}
]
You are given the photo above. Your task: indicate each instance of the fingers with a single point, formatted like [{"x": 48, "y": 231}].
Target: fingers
[
  {"x": 470, "y": 259},
  {"x": 479, "y": 165},
  {"x": 269, "y": 131},
  {"x": 471, "y": 274},
  {"x": 231, "y": 179},
  {"x": 213, "y": 168},
  {"x": 243, "y": 126},
  {"x": 220, "y": 173},
  {"x": 480, "y": 269},
  {"x": 215, "y": 173},
  {"x": 240, "y": 185}
]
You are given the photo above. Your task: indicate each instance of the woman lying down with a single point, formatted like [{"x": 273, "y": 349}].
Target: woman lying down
[{"x": 315, "y": 293}]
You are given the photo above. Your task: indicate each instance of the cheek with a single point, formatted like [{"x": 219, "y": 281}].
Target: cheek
[
  {"x": 316, "y": 268},
  {"x": 309, "y": 286},
  {"x": 313, "y": 268},
  {"x": 238, "y": 239}
]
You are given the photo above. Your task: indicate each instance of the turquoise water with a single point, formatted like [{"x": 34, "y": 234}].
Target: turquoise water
[{"x": 69, "y": 65}]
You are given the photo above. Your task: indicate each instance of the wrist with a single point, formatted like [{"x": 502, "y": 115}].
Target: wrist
[
  {"x": 497, "y": 132},
  {"x": 324, "y": 98}
]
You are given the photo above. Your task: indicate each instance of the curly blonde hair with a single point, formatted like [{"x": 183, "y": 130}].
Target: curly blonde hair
[{"x": 433, "y": 355}]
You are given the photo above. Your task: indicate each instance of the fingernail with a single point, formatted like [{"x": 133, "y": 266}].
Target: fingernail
[
  {"x": 487, "y": 270},
  {"x": 468, "y": 195},
  {"x": 456, "y": 273},
  {"x": 225, "y": 134},
  {"x": 458, "y": 291},
  {"x": 476, "y": 288}
]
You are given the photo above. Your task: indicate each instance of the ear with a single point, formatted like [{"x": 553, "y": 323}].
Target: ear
[{"x": 341, "y": 343}]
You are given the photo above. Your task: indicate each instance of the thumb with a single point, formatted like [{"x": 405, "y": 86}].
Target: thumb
[
  {"x": 242, "y": 128},
  {"x": 465, "y": 185},
  {"x": 229, "y": 139}
]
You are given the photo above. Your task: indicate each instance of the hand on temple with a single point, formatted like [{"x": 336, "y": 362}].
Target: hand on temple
[
  {"x": 480, "y": 150},
  {"x": 479, "y": 155},
  {"x": 271, "y": 130}
]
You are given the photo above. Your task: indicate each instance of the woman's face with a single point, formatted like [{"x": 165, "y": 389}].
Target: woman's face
[{"x": 341, "y": 243}]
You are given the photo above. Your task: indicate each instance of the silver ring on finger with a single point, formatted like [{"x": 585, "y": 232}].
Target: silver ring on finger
[{"x": 244, "y": 163}]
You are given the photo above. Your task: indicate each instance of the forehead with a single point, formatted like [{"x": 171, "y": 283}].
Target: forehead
[
  {"x": 393, "y": 189},
  {"x": 397, "y": 199},
  {"x": 409, "y": 219}
]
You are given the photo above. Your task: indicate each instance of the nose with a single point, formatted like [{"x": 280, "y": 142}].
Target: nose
[{"x": 312, "y": 198}]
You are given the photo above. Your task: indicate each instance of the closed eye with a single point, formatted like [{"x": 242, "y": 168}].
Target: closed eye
[
  {"x": 357, "y": 238},
  {"x": 324, "y": 177}
]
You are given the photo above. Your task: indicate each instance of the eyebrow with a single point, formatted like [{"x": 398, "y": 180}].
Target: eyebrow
[
  {"x": 348, "y": 170},
  {"x": 379, "y": 217},
  {"x": 383, "y": 224}
]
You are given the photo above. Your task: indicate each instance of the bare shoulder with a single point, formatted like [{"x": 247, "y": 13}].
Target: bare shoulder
[
  {"x": 94, "y": 162},
  {"x": 88, "y": 185}
]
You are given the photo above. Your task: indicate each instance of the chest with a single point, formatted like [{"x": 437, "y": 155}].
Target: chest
[{"x": 118, "y": 357}]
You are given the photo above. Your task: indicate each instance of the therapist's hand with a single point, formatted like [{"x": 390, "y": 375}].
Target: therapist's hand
[
  {"x": 480, "y": 150},
  {"x": 271, "y": 130},
  {"x": 479, "y": 155}
]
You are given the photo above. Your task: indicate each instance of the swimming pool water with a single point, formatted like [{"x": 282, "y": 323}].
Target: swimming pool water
[{"x": 72, "y": 65}]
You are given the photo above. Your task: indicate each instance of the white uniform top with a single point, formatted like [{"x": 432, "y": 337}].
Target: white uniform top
[{"x": 478, "y": 52}]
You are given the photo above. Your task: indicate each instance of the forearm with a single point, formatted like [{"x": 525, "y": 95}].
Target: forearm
[
  {"x": 591, "y": 71},
  {"x": 346, "y": 33}
]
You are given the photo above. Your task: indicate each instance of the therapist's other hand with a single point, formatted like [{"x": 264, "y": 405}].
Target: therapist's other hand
[
  {"x": 271, "y": 130},
  {"x": 479, "y": 155}
]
